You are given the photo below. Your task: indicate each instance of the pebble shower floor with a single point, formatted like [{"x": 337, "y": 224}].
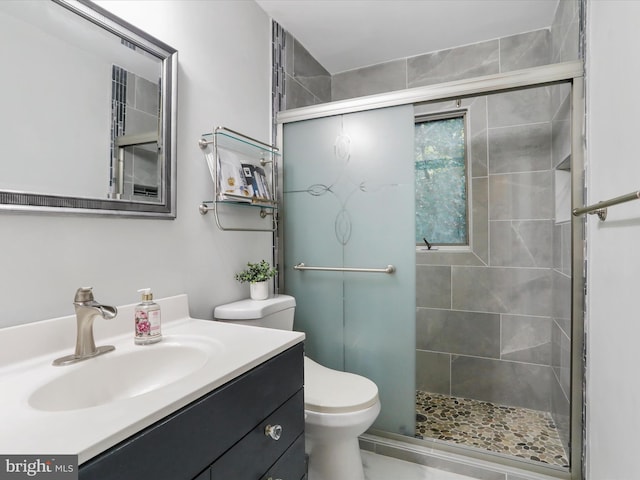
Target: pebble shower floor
[{"x": 514, "y": 431}]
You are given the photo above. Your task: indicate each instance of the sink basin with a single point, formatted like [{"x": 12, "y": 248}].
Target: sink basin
[{"x": 123, "y": 374}]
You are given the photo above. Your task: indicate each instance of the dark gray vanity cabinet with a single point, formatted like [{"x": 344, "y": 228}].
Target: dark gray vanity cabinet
[{"x": 223, "y": 435}]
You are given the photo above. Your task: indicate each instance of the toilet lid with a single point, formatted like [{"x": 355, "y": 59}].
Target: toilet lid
[{"x": 331, "y": 391}]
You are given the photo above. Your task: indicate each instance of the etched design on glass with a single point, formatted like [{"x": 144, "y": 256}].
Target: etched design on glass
[
  {"x": 343, "y": 187},
  {"x": 342, "y": 147},
  {"x": 441, "y": 182},
  {"x": 318, "y": 189},
  {"x": 343, "y": 226}
]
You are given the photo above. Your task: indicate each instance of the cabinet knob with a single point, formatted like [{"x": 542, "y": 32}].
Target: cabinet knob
[{"x": 273, "y": 431}]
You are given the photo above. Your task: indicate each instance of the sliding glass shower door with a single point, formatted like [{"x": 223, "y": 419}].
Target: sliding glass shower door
[{"x": 349, "y": 203}]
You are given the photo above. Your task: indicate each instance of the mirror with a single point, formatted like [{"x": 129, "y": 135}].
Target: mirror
[{"x": 88, "y": 124}]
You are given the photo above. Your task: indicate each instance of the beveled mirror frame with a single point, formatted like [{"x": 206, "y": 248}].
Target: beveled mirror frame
[{"x": 16, "y": 201}]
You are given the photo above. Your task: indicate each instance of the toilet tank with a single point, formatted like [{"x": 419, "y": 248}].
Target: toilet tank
[{"x": 275, "y": 312}]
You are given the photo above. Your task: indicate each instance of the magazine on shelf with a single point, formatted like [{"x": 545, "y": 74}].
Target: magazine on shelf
[
  {"x": 256, "y": 177},
  {"x": 241, "y": 181}
]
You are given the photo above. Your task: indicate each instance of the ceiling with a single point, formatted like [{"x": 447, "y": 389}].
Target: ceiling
[{"x": 347, "y": 34}]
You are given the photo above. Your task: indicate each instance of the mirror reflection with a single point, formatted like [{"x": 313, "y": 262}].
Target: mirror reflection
[{"x": 88, "y": 115}]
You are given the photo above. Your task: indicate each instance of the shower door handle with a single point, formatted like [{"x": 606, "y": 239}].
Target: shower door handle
[{"x": 387, "y": 269}]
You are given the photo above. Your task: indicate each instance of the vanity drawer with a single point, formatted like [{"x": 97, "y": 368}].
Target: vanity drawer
[
  {"x": 250, "y": 458},
  {"x": 185, "y": 443},
  {"x": 291, "y": 465}
]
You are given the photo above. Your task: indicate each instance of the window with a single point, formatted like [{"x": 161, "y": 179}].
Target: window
[{"x": 441, "y": 180}]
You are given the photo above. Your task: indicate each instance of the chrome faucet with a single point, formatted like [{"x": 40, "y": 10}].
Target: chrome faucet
[{"x": 86, "y": 310}]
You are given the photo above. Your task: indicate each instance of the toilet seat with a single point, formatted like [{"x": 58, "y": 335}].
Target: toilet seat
[{"x": 331, "y": 391}]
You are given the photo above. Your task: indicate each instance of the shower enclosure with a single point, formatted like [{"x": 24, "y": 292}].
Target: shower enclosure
[
  {"x": 493, "y": 318},
  {"x": 483, "y": 330}
]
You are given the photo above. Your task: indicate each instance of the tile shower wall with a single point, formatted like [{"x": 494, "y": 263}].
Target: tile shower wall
[
  {"x": 142, "y": 168},
  {"x": 492, "y": 323},
  {"x": 484, "y": 317},
  {"x": 525, "y": 50},
  {"x": 306, "y": 82}
]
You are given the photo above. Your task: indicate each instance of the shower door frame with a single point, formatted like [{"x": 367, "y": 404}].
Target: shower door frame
[{"x": 567, "y": 72}]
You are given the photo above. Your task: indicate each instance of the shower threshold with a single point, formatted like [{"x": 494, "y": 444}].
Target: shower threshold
[{"x": 515, "y": 431}]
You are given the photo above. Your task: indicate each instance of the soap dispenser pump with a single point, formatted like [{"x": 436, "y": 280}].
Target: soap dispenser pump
[{"x": 147, "y": 319}]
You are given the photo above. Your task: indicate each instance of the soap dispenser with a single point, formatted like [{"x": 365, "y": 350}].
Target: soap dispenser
[{"x": 147, "y": 319}]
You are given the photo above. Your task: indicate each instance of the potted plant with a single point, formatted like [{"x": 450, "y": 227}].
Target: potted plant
[{"x": 257, "y": 274}]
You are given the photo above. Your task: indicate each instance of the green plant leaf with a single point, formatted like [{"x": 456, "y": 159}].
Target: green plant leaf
[{"x": 256, "y": 272}]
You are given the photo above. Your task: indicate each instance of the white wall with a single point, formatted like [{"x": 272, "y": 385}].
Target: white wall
[
  {"x": 40, "y": 62},
  {"x": 613, "y": 356},
  {"x": 224, "y": 79}
]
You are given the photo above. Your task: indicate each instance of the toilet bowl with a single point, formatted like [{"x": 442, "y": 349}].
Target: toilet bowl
[{"x": 339, "y": 406}]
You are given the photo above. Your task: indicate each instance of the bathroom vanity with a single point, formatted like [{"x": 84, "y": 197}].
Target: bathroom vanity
[
  {"x": 224, "y": 434},
  {"x": 210, "y": 401}
]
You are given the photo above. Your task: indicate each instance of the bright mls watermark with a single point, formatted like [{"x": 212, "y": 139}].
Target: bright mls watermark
[{"x": 49, "y": 467}]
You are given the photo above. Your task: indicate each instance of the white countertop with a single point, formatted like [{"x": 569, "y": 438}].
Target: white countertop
[{"x": 26, "y": 353}]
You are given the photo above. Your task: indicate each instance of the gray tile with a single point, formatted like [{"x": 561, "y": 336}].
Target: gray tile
[
  {"x": 562, "y": 195},
  {"x": 525, "y": 243},
  {"x": 453, "y": 64},
  {"x": 557, "y": 253},
  {"x": 561, "y": 296},
  {"x": 380, "y": 78},
  {"x": 561, "y": 124},
  {"x": 296, "y": 95},
  {"x": 433, "y": 286},
  {"x": 565, "y": 249},
  {"x": 525, "y": 50},
  {"x": 561, "y": 101},
  {"x": 507, "y": 383},
  {"x": 526, "y": 339},
  {"x": 478, "y": 153},
  {"x": 465, "y": 333},
  {"x": 439, "y": 257},
  {"x": 480, "y": 227},
  {"x": 522, "y": 148},
  {"x": 308, "y": 71},
  {"x": 524, "y": 291},
  {"x": 569, "y": 49},
  {"x": 477, "y": 136},
  {"x": 146, "y": 169},
  {"x": 565, "y": 31},
  {"x": 521, "y": 196},
  {"x": 561, "y": 359},
  {"x": 433, "y": 372},
  {"x": 566, "y": 12},
  {"x": 304, "y": 64},
  {"x": 320, "y": 87},
  {"x": 561, "y": 412},
  {"x": 477, "y": 114},
  {"x": 140, "y": 122},
  {"x": 560, "y": 141},
  {"x": 289, "y": 45},
  {"x": 532, "y": 105},
  {"x": 146, "y": 95}
]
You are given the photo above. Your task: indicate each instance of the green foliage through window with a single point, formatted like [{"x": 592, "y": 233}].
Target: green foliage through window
[{"x": 441, "y": 182}]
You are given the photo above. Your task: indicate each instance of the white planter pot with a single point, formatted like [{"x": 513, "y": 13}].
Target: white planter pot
[{"x": 259, "y": 290}]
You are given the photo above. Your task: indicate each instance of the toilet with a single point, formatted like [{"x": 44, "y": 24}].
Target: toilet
[{"x": 339, "y": 406}]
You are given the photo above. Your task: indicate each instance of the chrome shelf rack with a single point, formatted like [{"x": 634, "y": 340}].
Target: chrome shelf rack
[{"x": 254, "y": 152}]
